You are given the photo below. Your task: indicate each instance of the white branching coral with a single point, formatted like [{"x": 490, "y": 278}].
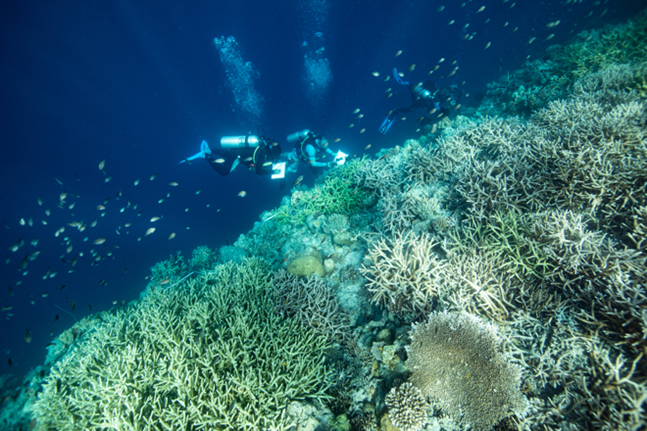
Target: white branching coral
[
  {"x": 406, "y": 275},
  {"x": 407, "y": 407}
]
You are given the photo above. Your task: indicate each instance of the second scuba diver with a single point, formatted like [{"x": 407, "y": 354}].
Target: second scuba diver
[
  {"x": 427, "y": 96},
  {"x": 311, "y": 148}
]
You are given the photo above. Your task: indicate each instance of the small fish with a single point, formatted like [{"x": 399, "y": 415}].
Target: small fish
[
  {"x": 360, "y": 116},
  {"x": 58, "y": 181},
  {"x": 6, "y": 308},
  {"x": 102, "y": 164},
  {"x": 220, "y": 160},
  {"x": 284, "y": 260},
  {"x": 150, "y": 231},
  {"x": 100, "y": 208},
  {"x": 505, "y": 24},
  {"x": 481, "y": 9},
  {"x": 171, "y": 236},
  {"x": 387, "y": 77},
  {"x": 451, "y": 22},
  {"x": 367, "y": 147},
  {"x": 137, "y": 181},
  {"x": 266, "y": 164},
  {"x": 247, "y": 159},
  {"x": 487, "y": 45},
  {"x": 242, "y": 193},
  {"x": 553, "y": 24},
  {"x": 40, "y": 201},
  {"x": 412, "y": 67},
  {"x": 375, "y": 74},
  {"x": 21, "y": 222},
  {"x": 323, "y": 240},
  {"x": 27, "y": 335},
  {"x": 362, "y": 130},
  {"x": 337, "y": 140},
  {"x": 197, "y": 192},
  {"x": 532, "y": 39},
  {"x": 173, "y": 184},
  {"x": 550, "y": 36},
  {"x": 388, "y": 95},
  {"x": 440, "y": 9},
  {"x": 351, "y": 125},
  {"x": 107, "y": 179},
  {"x": 298, "y": 181},
  {"x": 398, "y": 53},
  {"x": 73, "y": 305},
  {"x": 152, "y": 177},
  {"x": 99, "y": 241},
  {"x": 356, "y": 111},
  {"x": 154, "y": 219}
]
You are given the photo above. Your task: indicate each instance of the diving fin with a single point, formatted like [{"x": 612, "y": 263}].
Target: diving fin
[
  {"x": 204, "y": 150},
  {"x": 396, "y": 75},
  {"x": 386, "y": 124}
]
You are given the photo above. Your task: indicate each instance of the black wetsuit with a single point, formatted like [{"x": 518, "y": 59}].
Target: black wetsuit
[
  {"x": 440, "y": 100},
  {"x": 259, "y": 158}
]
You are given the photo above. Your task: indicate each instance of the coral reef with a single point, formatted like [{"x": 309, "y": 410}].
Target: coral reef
[
  {"x": 210, "y": 352},
  {"x": 457, "y": 360}
]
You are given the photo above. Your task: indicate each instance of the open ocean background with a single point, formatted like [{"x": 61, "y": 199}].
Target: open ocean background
[{"x": 140, "y": 84}]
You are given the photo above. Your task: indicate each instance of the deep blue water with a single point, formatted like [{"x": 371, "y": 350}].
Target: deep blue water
[{"x": 140, "y": 84}]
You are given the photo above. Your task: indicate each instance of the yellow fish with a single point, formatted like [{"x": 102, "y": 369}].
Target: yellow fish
[
  {"x": 398, "y": 53},
  {"x": 99, "y": 241},
  {"x": 171, "y": 236},
  {"x": 154, "y": 219},
  {"x": 150, "y": 231}
]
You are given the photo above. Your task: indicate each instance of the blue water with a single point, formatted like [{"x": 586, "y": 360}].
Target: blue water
[{"x": 141, "y": 84}]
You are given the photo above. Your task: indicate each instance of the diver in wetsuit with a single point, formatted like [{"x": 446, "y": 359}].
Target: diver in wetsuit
[
  {"x": 257, "y": 153},
  {"x": 426, "y": 96},
  {"x": 311, "y": 148}
]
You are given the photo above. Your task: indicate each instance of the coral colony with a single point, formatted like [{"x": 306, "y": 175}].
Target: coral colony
[{"x": 489, "y": 274}]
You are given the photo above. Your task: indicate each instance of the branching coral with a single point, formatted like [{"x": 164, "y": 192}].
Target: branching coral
[
  {"x": 457, "y": 360},
  {"x": 407, "y": 407},
  {"x": 406, "y": 275},
  {"x": 209, "y": 353},
  {"x": 313, "y": 303},
  {"x": 597, "y": 50}
]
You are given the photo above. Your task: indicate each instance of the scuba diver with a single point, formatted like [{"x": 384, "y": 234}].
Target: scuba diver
[
  {"x": 307, "y": 147},
  {"x": 425, "y": 95},
  {"x": 256, "y": 152}
]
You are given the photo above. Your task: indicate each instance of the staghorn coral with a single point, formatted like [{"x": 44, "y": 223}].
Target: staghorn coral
[
  {"x": 407, "y": 407},
  {"x": 457, "y": 360},
  {"x": 206, "y": 353},
  {"x": 595, "y": 50},
  {"x": 406, "y": 275},
  {"x": 313, "y": 303}
]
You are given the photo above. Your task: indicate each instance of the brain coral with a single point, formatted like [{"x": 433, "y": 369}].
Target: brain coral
[
  {"x": 208, "y": 353},
  {"x": 457, "y": 360}
]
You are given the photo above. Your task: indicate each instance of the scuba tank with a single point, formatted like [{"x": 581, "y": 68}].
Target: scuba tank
[
  {"x": 422, "y": 93},
  {"x": 298, "y": 137},
  {"x": 242, "y": 141}
]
